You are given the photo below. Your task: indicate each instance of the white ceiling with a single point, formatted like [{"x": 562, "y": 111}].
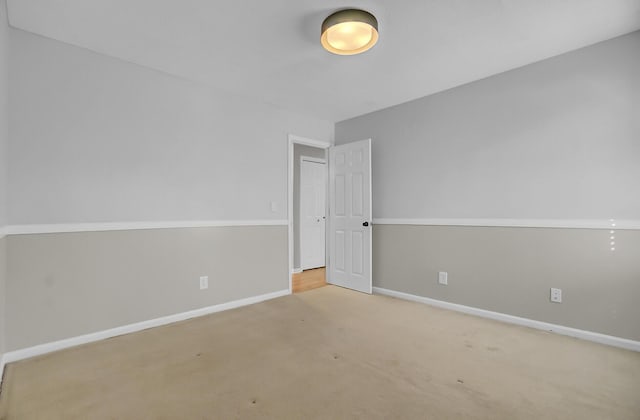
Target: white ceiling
[{"x": 270, "y": 50}]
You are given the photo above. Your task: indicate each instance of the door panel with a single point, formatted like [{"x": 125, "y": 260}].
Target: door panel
[
  {"x": 339, "y": 196},
  {"x": 349, "y": 208},
  {"x": 339, "y": 251},
  {"x": 357, "y": 245}
]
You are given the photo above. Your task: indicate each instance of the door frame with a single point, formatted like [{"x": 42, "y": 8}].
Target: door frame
[
  {"x": 326, "y": 196},
  {"x": 293, "y": 139}
]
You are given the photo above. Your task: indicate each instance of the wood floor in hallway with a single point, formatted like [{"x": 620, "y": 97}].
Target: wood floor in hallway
[
  {"x": 308, "y": 280},
  {"x": 329, "y": 353}
]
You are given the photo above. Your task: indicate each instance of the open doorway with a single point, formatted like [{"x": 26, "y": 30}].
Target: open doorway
[
  {"x": 346, "y": 217},
  {"x": 308, "y": 213}
]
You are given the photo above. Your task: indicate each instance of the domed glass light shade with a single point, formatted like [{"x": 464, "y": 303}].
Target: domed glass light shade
[{"x": 349, "y": 32}]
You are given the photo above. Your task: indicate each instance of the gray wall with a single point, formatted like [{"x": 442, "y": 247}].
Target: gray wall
[
  {"x": 4, "y": 131},
  {"x": 510, "y": 270},
  {"x": 298, "y": 151},
  {"x": 557, "y": 139},
  {"x": 3, "y": 282},
  {"x": 96, "y": 139},
  {"x": 68, "y": 284}
]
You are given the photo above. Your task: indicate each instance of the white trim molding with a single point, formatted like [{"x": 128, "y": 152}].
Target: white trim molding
[
  {"x": 40, "y": 349},
  {"x": 538, "y": 325},
  {"x": 108, "y": 226},
  {"x": 3, "y": 232},
  {"x": 309, "y": 142},
  {"x": 613, "y": 224}
]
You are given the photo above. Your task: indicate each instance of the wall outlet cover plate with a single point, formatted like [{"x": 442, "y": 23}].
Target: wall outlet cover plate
[{"x": 442, "y": 277}]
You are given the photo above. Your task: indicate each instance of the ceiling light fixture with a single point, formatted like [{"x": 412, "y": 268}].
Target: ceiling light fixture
[{"x": 349, "y": 32}]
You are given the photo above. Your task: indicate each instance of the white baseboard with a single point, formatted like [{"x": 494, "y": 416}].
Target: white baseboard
[
  {"x": 539, "y": 325},
  {"x": 296, "y": 270},
  {"x": 2, "y": 363},
  {"x": 40, "y": 349}
]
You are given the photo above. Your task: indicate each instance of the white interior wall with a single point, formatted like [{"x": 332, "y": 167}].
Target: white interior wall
[
  {"x": 96, "y": 139},
  {"x": 4, "y": 102},
  {"x": 4, "y": 132},
  {"x": 556, "y": 139}
]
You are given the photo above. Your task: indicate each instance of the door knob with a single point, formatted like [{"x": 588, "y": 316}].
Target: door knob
[{"x": 365, "y": 224}]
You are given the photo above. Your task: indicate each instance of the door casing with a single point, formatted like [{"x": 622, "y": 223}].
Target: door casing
[
  {"x": 293, "y": 139},
  {"x": 322, "y": 222}
]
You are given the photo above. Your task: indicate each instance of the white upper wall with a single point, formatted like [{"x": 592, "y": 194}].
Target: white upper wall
[
  {"x": 4, "y": 95},
  {"x": 556, "y": 139},
  {"x": 96, "y": 139},
  {"x": 4, "y": 34},
  {"x": 270, "y": 49}
]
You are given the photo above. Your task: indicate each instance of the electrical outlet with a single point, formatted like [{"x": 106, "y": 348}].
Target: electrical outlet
[
  {"x": 442, "y": 278},
  {"x": 556, "y": 295},
  {"x": 204, "y": 282}
]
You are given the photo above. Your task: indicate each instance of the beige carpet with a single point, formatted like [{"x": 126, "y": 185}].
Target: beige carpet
[{"x": 329, "y": 353}]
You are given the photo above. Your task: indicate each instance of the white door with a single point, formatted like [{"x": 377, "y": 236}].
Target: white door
[
  {"x": 350, "y": 216},
  {"x": 313, "y": 190}
]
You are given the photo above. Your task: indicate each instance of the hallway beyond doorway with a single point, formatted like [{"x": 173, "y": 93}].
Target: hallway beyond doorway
[{"x": 308, "y": 280}]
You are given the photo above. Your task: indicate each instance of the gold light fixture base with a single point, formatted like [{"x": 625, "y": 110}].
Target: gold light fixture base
[{"x": 349, "y": 32}]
